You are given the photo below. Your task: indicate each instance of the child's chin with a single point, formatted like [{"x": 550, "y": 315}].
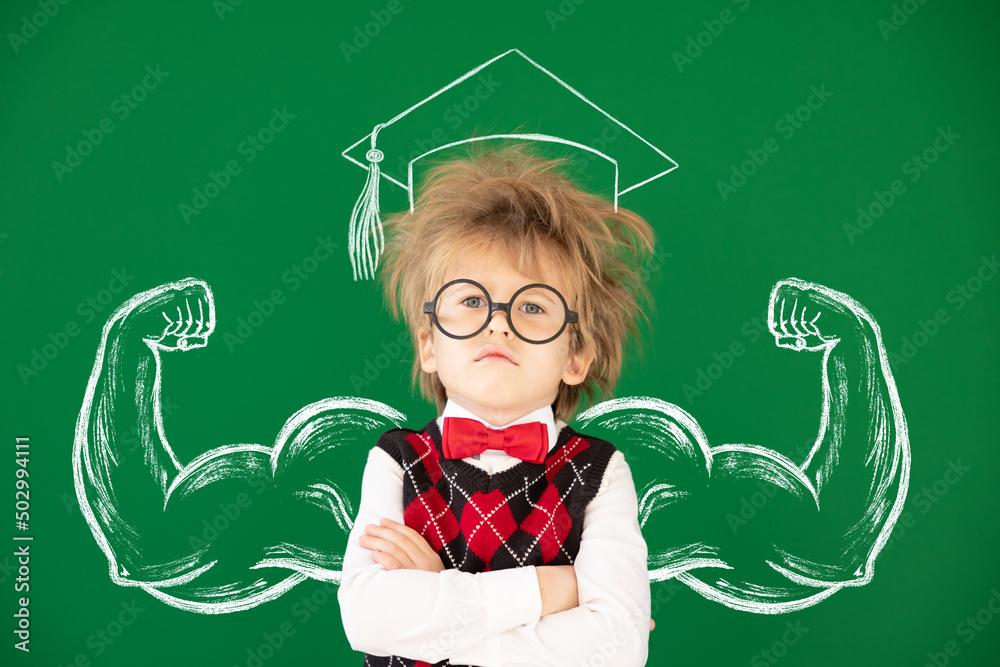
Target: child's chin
[{"x": 500, "y": 370}]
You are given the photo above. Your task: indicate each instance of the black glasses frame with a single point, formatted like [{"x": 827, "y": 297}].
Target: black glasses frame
[{"x": 430, "y": 307}]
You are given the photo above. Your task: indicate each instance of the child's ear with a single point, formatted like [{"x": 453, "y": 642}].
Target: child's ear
[
  {"x": 426, "y": 347},
  {"x": 577, "y": 366}
]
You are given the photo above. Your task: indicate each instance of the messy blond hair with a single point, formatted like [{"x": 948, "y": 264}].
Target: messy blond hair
[{"x": 505, "y": 199}]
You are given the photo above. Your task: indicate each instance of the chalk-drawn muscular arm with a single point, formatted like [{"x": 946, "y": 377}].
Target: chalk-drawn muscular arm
[
  {"x": 238, "y": 524},
  {"x": 122, "y": 489},
  {"x": 748, "y": 526},
  {"x": 858, "y": 469}
]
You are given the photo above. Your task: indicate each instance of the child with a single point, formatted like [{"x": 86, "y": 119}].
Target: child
[{"x": 485, "y": 546}]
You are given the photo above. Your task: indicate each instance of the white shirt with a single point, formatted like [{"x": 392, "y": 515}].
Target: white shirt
[{"x": 494, "y": 618}]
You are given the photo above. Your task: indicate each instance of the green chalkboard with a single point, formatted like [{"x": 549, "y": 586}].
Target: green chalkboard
[{"x": 843, "y": 144}]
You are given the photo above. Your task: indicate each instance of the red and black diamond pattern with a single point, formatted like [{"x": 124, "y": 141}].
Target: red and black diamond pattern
[{"x": 528, "y": 514}]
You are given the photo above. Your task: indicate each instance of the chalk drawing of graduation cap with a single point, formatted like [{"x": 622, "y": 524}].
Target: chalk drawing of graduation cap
[{"x": 521, "y": 100}]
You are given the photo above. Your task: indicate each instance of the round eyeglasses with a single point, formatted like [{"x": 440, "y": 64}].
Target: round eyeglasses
[{"x": 536, "y": 313}]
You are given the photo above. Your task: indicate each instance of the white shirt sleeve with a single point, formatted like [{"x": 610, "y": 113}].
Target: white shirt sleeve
[
  {"x": 613, "y": 582},
  {"x": 417, "y": 614}
]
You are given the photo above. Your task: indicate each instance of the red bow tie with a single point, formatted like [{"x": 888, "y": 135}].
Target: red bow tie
[{"x": 463, "y": 437}]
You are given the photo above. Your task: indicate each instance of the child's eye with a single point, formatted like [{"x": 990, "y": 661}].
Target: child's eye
[
  {"x": 473, "y": 301},
  {"x": 533, "y": 309}
]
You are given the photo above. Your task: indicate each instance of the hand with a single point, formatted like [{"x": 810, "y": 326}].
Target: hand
[
  {"x": 397, "y": 546},
  {"x": 174, "y": 316},
  {"x": 557, "y": 585},
  {"x": 806, "y": 316}
]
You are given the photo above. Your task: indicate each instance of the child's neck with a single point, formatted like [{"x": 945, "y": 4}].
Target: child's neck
[{"x": 498, "y": 416}]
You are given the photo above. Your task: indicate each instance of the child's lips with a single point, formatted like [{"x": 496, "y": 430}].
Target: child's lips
[
  {"x": 495, "y": 353},
  {"x": 496, "y": 357}
]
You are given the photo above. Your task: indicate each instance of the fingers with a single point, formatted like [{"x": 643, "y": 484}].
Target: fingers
[
  {"x": 201, "y": 319},
  {"x": 811, "y": 328},
  {"x": 795, "y": 328},
  {"x": 174, "y": 326},
  {"x": 796, "y": 324},
  {"x": 171, "y": 327},
  {"x": 801, "y": 326},
  {"x": 781, "y": 318},
  {"x": 404, "y": 544},
  {"x": 386, "y": 543},
  {"x": 408, "y": 534},
  {"x": 387, "y": 561},
  {"x": 183, "y": 325},
  {"x": 190, "y": 319}
]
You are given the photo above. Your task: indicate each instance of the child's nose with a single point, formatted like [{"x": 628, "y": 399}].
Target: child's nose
[{"x": 499, "y": 323}]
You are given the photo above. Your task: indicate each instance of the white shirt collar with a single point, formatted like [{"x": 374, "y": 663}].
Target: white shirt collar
[{"x": 543, "y": 414}]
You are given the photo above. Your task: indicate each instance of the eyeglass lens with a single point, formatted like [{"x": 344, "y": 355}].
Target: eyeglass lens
[{"x": 537, "y": 313}]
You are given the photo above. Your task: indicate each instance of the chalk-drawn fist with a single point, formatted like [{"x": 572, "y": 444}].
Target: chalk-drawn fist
[
  {"x": 175, "y": 316},
  {"x": 806, "y": 316}
]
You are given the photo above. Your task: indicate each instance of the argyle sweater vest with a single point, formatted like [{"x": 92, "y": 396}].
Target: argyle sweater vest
[{"x": 528, "y": 514}]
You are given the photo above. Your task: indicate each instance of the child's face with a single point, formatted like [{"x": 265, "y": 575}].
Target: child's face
[{"x": 494, "y": 388}]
